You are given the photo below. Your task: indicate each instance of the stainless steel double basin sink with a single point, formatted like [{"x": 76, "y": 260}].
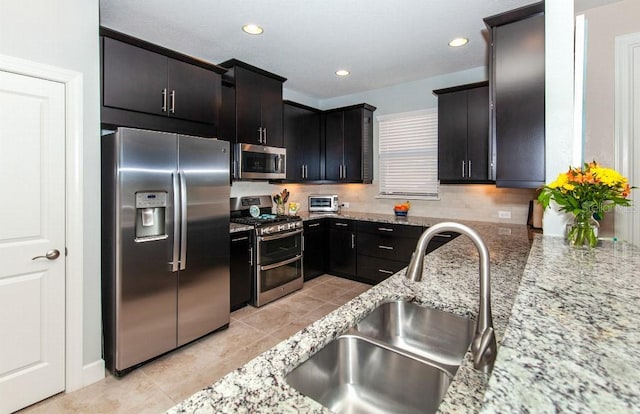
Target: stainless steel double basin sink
[{"x": 398, "y": 359}]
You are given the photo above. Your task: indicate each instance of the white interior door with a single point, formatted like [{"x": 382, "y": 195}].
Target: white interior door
[
  {"x": 32, "y": 224},
  {"x": 627, "y": 135}
]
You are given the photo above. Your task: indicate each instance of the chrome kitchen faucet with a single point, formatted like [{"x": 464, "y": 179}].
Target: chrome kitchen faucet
[{"x": 483, "y": 347}]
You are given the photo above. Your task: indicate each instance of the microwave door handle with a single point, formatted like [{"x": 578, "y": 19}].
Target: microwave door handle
[
  {"x": 176, "y": 222},
  {"x": 183, "y": 221}
]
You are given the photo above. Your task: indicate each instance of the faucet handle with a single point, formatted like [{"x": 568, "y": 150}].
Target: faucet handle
[{"x": 485, "y": 353}]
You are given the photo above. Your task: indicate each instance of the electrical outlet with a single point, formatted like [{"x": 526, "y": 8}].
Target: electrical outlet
[
  {"x": 504, "y": 231},
  {"x": 504, "y": 214},
  {"x": 345, "y": 204}
]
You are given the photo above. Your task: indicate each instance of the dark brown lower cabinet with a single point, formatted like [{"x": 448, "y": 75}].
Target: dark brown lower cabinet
[
  {"x": 315, "y": 248},
  {"x": 342, "y": 248},
  {"x": 365, "y": 251},
  {"x": 240, "y": 269}
]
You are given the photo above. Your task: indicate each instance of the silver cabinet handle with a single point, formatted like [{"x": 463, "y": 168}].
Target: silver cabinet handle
[
  {"x": 463, "y": 165},
  {"x": 469, "y": 169},
  {"x": 240, "y": 239},
  {"x": 342, "y": 224},
  {"x": 164, "y": 100},
  {"x": 384, "y": 229},
  {"x": 260, "y": 135},
  {"x": 388, "y": 272},
  {"x": 353, "y": 241},
  {"x": 344, "y": 171},
  {"x": 385, "y": 247},
  {"x": 173, "y": 102},
  {"x": 302, "y": 170},
  {"x": 265, "y": 134},
  {"x": 443, "y": 235},
  {"x": 250, "y": 255},
  {"x": 314, "y": 225},
  {"x": 50, "y": 255}
]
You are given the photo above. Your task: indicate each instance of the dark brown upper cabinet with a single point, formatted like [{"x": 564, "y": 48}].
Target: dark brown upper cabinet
[
  {"x": 349, "y": 144},
  {"x": 463, "y": 134},
  {"x": 516, "y": 67},
  {"x": 303, "y": 141},
  {"x": 257, "y": 103},
  {"x": 147, "y": 86}
]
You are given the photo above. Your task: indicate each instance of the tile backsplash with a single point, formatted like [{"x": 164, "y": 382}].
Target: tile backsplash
[{"x": 465, "y": 202}]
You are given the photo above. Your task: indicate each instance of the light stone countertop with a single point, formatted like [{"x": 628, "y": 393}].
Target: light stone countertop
[
  {"x": 573, "y": 341},
  {"x": 568, "y": 334},
  {"x": 236, "y": 227}
]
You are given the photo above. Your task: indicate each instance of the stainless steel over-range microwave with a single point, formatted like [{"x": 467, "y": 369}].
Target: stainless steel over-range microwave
[{"x": 259, "y": 162}]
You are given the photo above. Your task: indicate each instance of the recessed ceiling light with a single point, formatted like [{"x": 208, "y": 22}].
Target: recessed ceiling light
[
  {"x": 342, "y": 72},
  {"x": 458, "y": 41},
  {"x": 253, "y": 29}
]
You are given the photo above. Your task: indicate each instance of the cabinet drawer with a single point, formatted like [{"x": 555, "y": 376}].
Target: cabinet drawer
[
  {"x": 312, "y": 225},
  {"x": 386, "y": 246},
  {"x": 444, "y": 237},
  {"x": 399, "y": 230},
  {"x": 341, "y": 224},
  {"x": 375, "y": 270}
]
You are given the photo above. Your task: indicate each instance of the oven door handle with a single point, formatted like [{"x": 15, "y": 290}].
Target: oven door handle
[
  {"x": 279, "y": 236},
  {"x": 286, "y": 262}
]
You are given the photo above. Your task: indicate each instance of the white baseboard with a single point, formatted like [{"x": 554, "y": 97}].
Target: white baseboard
[{"x": 92, "y": 372}]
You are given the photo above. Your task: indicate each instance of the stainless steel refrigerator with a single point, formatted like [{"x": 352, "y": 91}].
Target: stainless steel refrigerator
[{"x": 165, "y": 242}]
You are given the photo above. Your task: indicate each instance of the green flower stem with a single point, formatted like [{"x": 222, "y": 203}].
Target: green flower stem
[{"x": 582, "y": 233}]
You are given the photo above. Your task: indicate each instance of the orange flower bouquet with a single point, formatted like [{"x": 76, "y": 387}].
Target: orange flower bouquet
[{"x": 587, "y": 193}]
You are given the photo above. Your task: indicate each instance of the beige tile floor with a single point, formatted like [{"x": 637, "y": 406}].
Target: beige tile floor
[{"x": 160, "y": 384}]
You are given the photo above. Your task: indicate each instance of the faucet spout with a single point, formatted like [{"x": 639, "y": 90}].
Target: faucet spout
[{"x": 483, "y": 347}]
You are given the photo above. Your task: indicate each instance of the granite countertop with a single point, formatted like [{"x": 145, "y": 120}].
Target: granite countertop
[
  {"x": 573, "y": 341},
  {"x": 450, "y": 283},
  {"x": 567, "y": 325},
  {"x": 236, "y": 227}
]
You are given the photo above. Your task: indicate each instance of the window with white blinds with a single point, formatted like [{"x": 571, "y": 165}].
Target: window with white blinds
[{"x": 408, "y": 154}]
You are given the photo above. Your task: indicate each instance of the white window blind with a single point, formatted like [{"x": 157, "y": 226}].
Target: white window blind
[{"x": 408, "y": 151}]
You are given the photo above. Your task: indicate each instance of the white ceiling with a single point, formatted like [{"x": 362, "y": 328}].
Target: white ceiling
[{"x": 381, "y": 42}]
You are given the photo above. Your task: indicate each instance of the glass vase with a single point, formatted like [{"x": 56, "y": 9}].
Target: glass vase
[
  {"x": 583, "y": 232},
  {"x": 280, "y": 208}
]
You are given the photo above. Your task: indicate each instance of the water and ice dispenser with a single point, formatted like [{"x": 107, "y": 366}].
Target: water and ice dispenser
[{"x": 151, "y": 208}]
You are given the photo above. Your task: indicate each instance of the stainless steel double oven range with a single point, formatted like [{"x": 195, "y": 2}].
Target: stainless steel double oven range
[{"x": 277, "y": 253}]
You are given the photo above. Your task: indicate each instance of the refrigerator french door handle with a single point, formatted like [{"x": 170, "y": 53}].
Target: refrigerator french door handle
[
  {"x": 183, "y": 221},
  {"x": 176, "y": 219}
]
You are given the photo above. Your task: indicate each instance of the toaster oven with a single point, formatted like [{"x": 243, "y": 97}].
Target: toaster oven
[{"x": 324, "y": 203}]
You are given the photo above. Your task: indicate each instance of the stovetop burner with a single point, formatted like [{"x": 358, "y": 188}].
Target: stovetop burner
[{"x": 265, "y": 219}]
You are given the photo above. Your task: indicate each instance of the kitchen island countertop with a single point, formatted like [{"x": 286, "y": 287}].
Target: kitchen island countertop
[{"x": 570, "y": 342}]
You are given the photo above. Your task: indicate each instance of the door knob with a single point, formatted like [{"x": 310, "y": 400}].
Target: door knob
[{"x": 51, "y": 255}]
